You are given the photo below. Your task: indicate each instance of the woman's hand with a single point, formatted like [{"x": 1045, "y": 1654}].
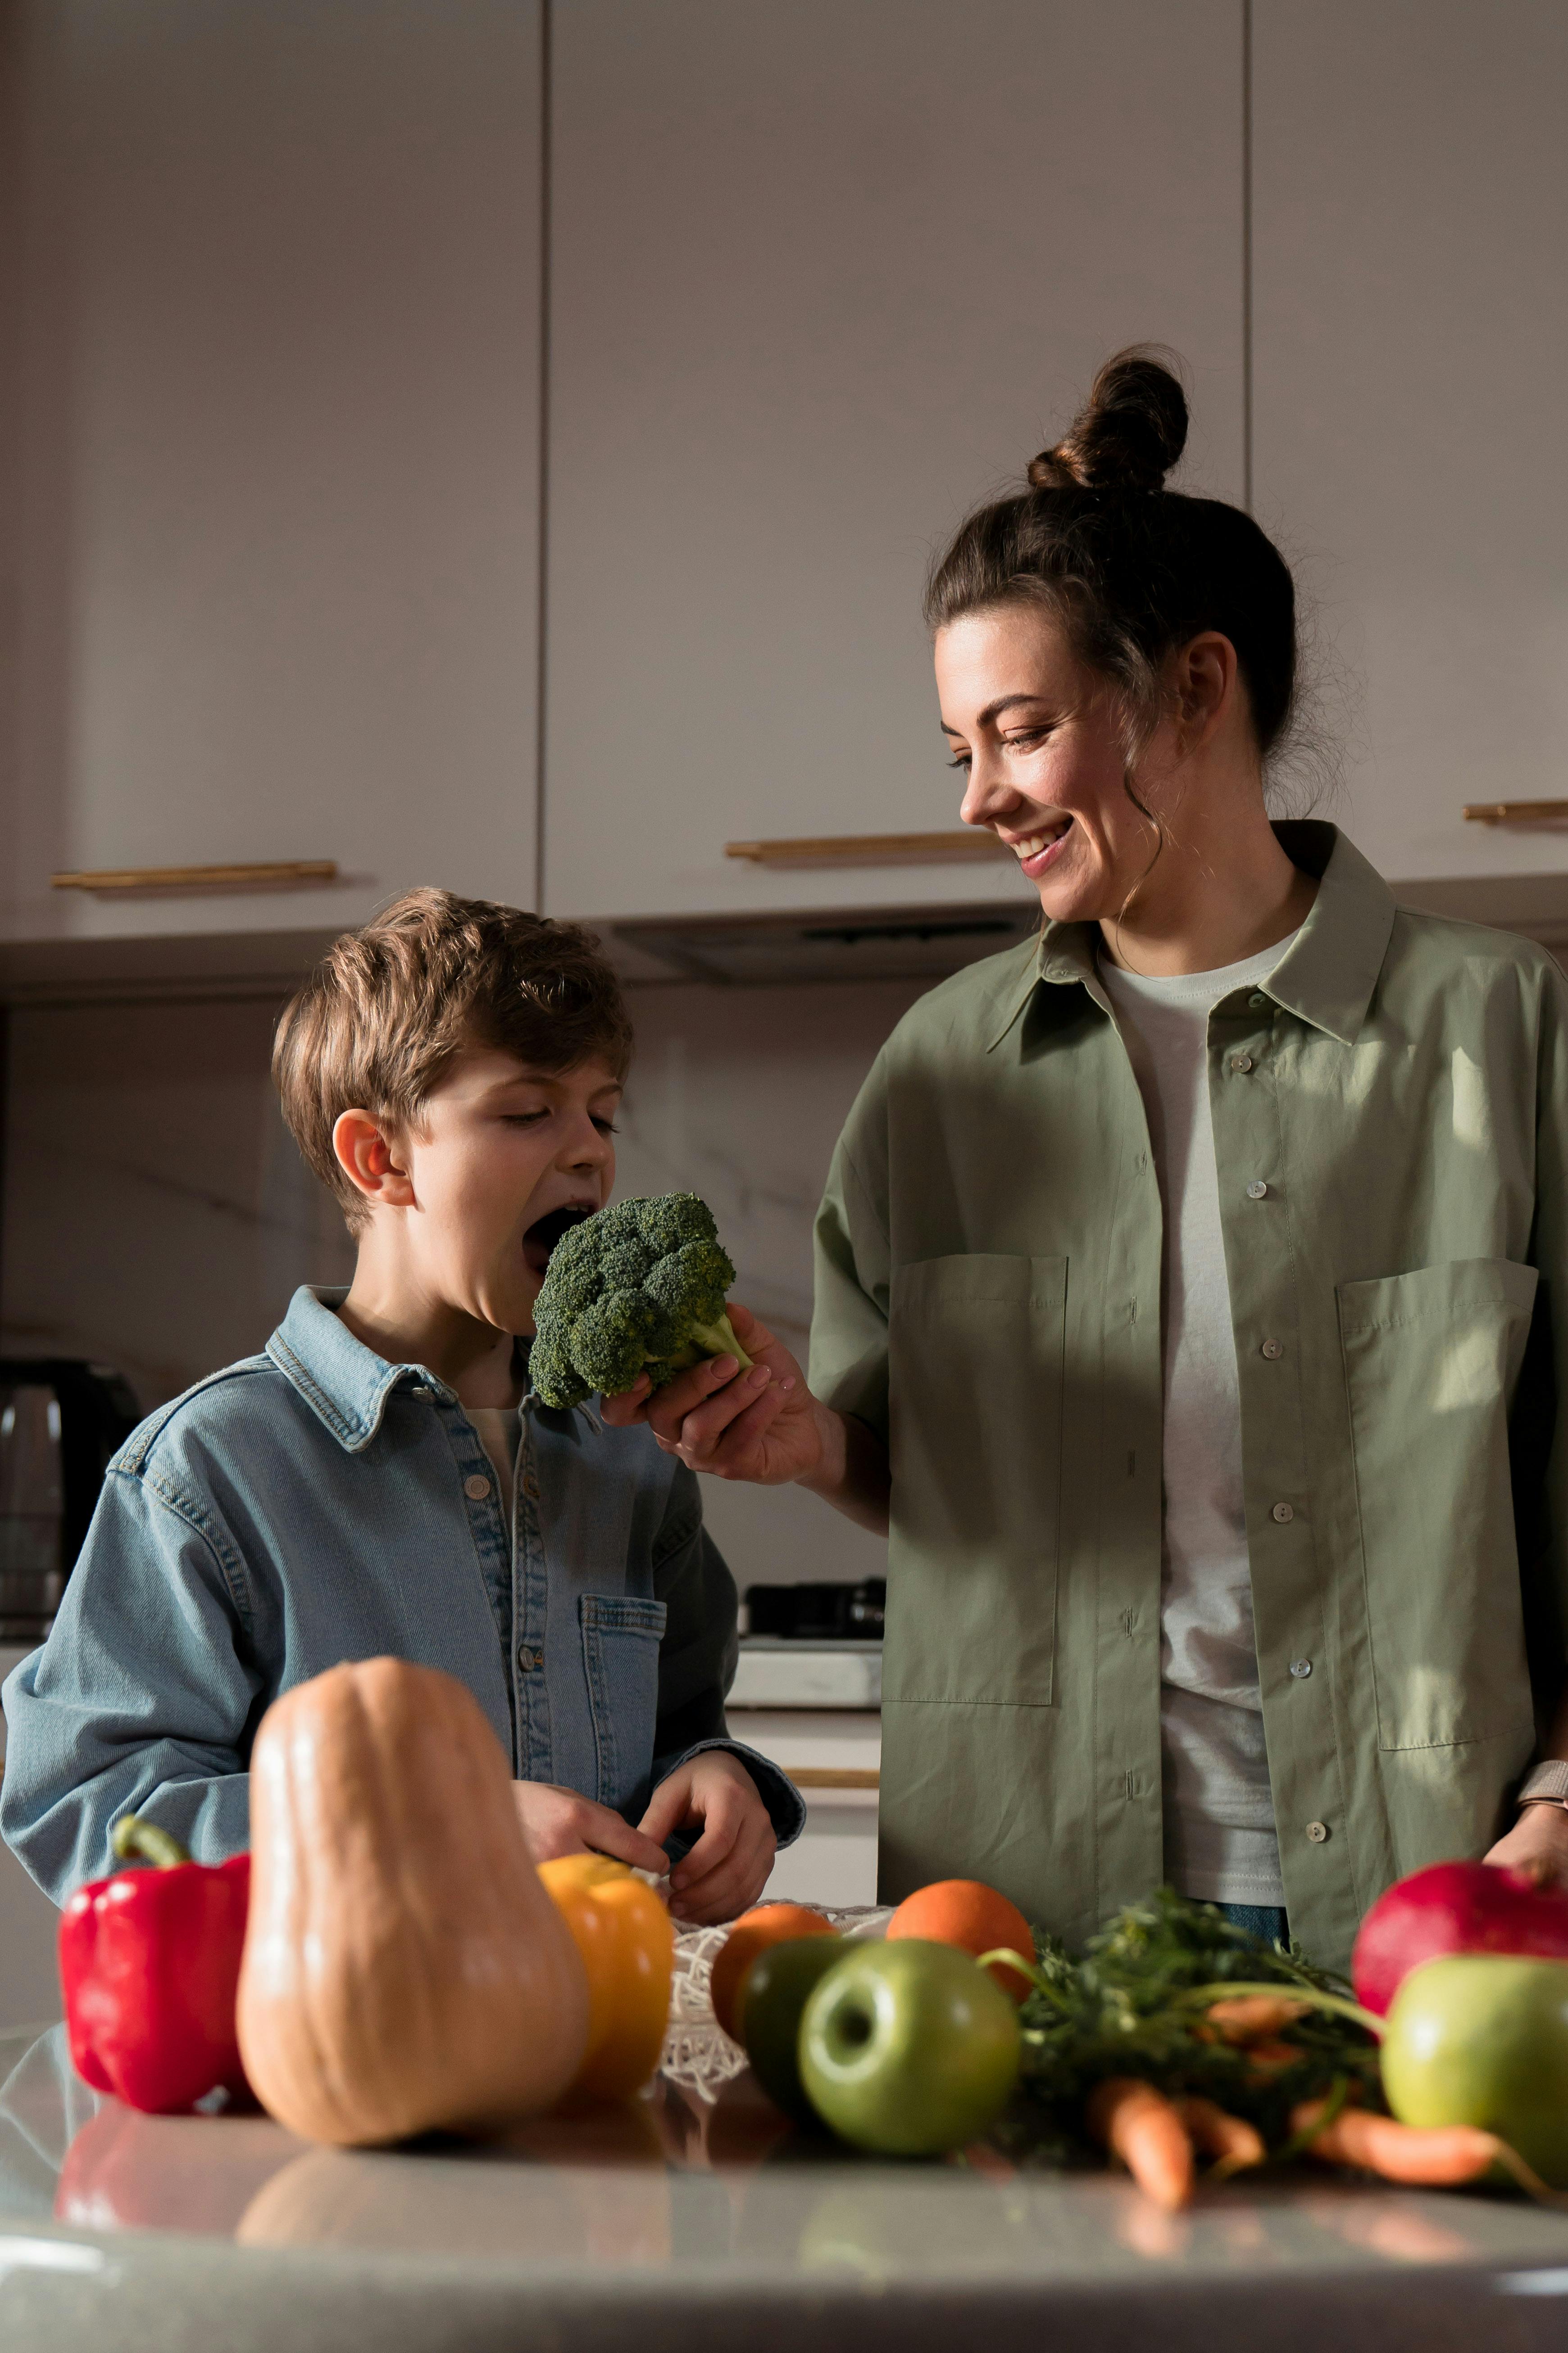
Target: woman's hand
[
  {"x": 727, "y": 1868},
  {"x": 1538, "y": 1846},
  {"x": 763, "y": 1426},
  {"x": 558, "y": 1821}
]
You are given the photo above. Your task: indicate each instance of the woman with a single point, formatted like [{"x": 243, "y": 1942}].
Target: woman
[{"x": 1184, "y": 1279}]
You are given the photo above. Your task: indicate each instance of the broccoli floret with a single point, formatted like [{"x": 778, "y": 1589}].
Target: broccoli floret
[{"x": 639, "y": 1287}]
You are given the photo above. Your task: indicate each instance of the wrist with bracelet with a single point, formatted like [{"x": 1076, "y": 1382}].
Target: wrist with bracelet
[{"x": 1547, "y": 1785}]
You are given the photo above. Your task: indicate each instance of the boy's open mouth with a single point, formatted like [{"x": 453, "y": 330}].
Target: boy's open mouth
[{"x": 545, "y": 1233}]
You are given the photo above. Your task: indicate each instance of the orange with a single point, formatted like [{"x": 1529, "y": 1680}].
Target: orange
[
  {"x": 770, "y": 1923},
  {"x": 974, "y": 1918}
]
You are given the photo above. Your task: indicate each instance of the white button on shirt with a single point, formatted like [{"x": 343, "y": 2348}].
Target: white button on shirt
[{"x": 499, "y": 1429}]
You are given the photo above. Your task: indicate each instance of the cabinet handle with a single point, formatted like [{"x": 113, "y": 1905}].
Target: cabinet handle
[
  {"x": 834, "y": 1777},
  {"x": 286, "y": 875},
  {"x": 1515, "y": 812},
  {"x": 873, "y": 849}
]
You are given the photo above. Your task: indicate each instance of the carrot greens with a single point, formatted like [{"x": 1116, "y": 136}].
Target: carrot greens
[{"x": 1136, "y": 2004}]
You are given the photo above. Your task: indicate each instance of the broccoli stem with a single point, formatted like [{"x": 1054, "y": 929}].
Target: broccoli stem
[{"x": 715, "y": 1339}]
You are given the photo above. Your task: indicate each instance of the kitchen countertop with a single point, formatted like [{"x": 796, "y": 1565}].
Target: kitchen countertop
[{"x": 677, "y": 2220}]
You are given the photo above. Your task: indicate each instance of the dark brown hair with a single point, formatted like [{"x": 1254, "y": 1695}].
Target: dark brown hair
[
  {"x": 1130, "y": 570},
  {"x": 389, "y": 1008}
]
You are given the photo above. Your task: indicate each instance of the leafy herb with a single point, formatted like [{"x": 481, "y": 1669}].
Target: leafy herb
[{"x": 1137, "y": 2003}]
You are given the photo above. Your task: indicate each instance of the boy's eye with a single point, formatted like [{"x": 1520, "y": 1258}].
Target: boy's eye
[
  {"x": 525, "y": 1118},
  {"x": 606, "y": 1127}
]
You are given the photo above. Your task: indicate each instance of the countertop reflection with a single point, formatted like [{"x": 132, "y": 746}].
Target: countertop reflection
[{"x": 688, "y": 2207}]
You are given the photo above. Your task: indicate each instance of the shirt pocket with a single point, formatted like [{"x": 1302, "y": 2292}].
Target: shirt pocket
[
  {"x": 975, "y": 1350},
  {"x": 1431, "y": 1363},
  {"x": 620, "y": 1658}
]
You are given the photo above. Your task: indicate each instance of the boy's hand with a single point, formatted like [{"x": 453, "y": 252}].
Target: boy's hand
[
  {"x": 763, "y": 1425},
  {"x": 727, "y": 1868},
  {"x": 558, "y": 1821}
]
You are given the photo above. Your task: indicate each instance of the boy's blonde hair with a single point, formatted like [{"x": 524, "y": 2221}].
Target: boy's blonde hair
[{"x": 389, "y": 1006}]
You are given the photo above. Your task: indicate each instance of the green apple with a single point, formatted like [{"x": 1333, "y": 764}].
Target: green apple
[
  {"x": 1482, "y": 2038},
  {"x": 774, "y": 1995},
  {"x": 909, "y": 2048}
]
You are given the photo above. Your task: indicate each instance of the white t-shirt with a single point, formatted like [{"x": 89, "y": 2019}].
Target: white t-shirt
[{"x": 1220, "y": 1840}]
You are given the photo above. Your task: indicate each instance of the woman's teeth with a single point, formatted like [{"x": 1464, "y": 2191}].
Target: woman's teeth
[{"x": 1032, "y": 844}]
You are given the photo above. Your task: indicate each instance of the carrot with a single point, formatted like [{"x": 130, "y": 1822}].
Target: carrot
[
  {"x": 1140, "y": 2125},
  {"x": 1231, "y": 2138},
  {"x": 1266, "y": 2058},
  {"x": 1248, "y": 2018},
  {"x": 1434, "y": 2156}
]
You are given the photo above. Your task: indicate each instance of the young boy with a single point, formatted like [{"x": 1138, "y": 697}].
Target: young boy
[{"x": 380, "y": 1481}]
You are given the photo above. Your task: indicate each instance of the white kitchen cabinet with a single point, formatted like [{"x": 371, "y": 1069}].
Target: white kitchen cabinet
[
  {"x": 1411, "y": 314},
  {"x": 275, "y": 355},
  {"x": 822, "y": 275},
  {"x": 835, "y": 1755}
]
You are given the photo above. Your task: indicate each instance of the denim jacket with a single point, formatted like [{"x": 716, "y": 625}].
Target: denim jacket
[{"x": 315, "y": 1503}]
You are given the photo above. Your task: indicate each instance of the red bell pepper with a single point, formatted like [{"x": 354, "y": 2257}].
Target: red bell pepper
[{"x": 150, "y": 1968}]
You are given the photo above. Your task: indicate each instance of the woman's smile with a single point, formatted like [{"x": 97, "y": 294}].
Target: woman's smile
[{"x": 1037, "y": 852}]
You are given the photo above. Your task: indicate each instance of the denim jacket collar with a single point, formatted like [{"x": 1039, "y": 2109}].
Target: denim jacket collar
[{"x": 345, "y": 1384}]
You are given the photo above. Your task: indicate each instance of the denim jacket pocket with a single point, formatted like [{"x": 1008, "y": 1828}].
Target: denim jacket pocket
[{"x": 620, "y": 1658}]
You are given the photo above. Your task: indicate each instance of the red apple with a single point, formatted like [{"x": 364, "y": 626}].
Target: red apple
[{"x": 1454, "y": 1907}]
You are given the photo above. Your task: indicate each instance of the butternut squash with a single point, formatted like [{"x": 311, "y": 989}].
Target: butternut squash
[{"x": 404, "y": 1969}]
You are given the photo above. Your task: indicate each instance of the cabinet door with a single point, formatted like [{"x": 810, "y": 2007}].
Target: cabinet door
[
  {"x": 1411, "y": 188},
  {"x": 278, "y": 394},
  {"x": 822, "y": 277}
]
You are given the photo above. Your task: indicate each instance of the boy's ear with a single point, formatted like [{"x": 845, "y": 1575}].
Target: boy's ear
[{"x": 369, "y": 1159}]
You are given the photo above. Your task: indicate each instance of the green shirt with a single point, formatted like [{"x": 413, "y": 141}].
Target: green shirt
[{"x": 1391, "y": 1126}]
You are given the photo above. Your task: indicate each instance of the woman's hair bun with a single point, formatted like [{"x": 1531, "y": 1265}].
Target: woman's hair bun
[{"x": 1129, "y": 434}]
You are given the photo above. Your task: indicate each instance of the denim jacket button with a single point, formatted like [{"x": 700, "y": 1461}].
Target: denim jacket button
[
  {"x": 530, "y": 1488},
  {"x": 476, "y": 1488}
]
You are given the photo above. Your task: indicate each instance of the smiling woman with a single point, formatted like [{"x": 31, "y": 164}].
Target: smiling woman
[
  {"x": 1117, "y": 749},
  {"x": 1153, "y": 1259}
]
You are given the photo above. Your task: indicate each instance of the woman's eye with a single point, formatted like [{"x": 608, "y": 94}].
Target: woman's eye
[
  {"x": 1026, "y": 739},
  {"x": 962, "y": 760}
]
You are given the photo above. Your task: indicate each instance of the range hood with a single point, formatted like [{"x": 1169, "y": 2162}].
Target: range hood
[
  {"x": 928, "y": 942},
  {"x": 921, "y": 942}
]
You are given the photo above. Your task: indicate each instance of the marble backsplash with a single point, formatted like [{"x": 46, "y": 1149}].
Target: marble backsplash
[{"x": 157, "y": 1216}]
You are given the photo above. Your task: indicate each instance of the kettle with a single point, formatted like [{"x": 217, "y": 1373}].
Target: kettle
[{"x": 61, "y": 1421}]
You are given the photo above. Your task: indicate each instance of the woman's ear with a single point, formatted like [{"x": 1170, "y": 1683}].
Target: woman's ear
[
  {"x": 1205, "y": 686},
  {"x": 371, "y": 1160}
]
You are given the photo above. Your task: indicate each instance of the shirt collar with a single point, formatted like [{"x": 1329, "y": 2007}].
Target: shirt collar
[
  {"x": 1326, "y": 979},
  {"x": 345, "y": 1384}
]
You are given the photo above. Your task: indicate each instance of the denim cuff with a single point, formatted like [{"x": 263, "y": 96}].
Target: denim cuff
[{"x": 786, "y": 1807}]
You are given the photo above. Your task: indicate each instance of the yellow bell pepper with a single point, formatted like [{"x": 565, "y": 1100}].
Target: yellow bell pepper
[{"x": 627, "y": 1943}]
